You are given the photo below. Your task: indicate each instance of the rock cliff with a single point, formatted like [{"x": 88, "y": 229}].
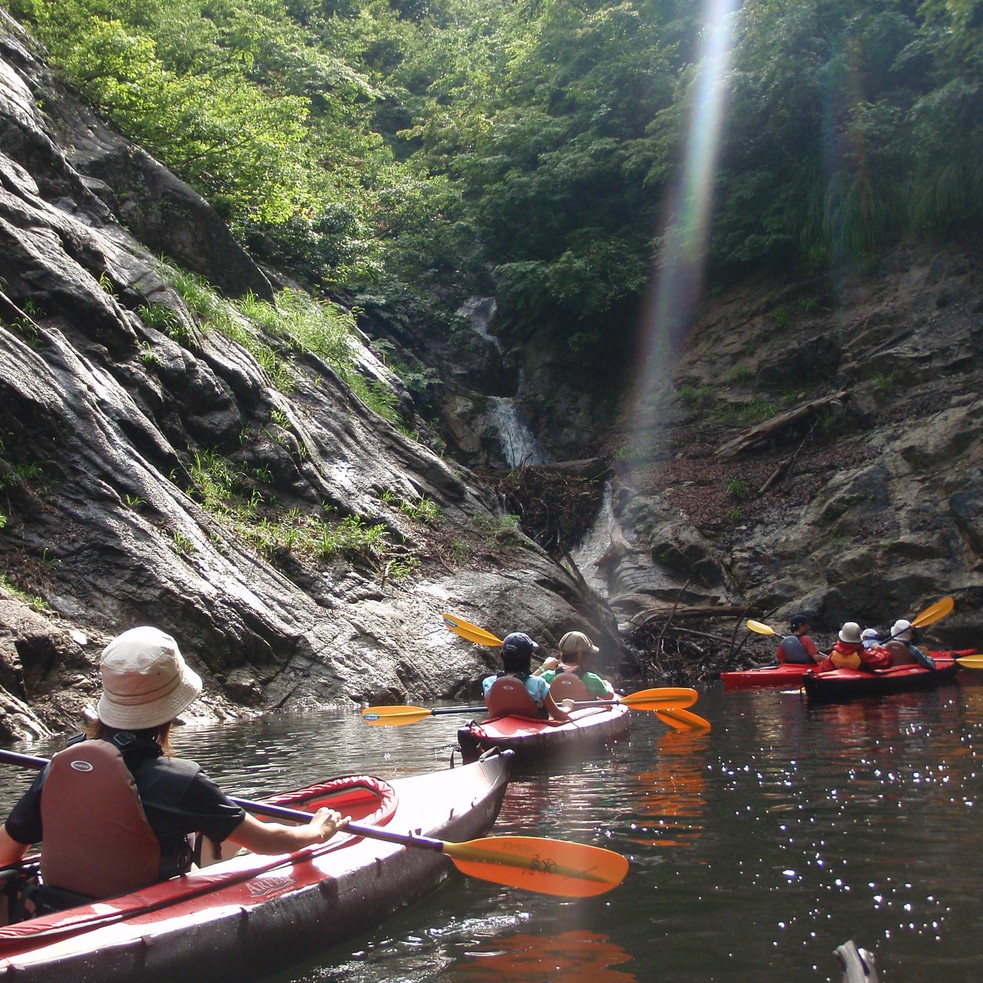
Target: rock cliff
[{"x": 218, "y": 482}]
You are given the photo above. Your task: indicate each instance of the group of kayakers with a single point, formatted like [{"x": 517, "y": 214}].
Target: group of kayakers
[{"x": 854, "y": 648}]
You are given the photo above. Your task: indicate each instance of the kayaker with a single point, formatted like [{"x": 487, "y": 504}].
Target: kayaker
[
  {"x": 849, "y": 652},
  {"x": 577, "y": 650},
  {"x": 870, "y": 637},
  {"x": 156, "y": 800},
  {"x": 903, "y": 650},
  {"x": 517, "y": 652},
  {"x": 798, "y": 646}
]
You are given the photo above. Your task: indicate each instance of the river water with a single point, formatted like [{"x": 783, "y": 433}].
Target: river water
[{"x": 755, "y": 849}]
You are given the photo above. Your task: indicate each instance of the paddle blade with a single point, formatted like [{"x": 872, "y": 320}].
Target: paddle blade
[
  {"x": 393, "y": 716},
  {"x": 934, "y": 613},
  {"x": 760, "y": 627},
  {"x": 471, "y": 632},
  {"x": 974, "y": 661},
  {"x": 666, "y": 697},
  {"x": 533, "y": 863},
  {"x": 682, "y": 719}
]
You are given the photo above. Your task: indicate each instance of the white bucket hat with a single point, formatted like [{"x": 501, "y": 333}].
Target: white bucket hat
[
  {"x": 577, "y": 641},
  {"x": 901, "y": 629},
  {"x": 145, "y": 680},
  {"x": 850, "y": 632}
]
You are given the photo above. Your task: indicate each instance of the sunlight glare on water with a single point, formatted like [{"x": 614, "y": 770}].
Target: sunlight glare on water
[{"x": 754, "y": 850}]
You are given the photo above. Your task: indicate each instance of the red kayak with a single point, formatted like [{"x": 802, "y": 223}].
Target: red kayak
[
  {"x": 846, "y": 683},
  {"x": 789, "y": 674},
  {"x": 533, "y": 739},
  {"x": 249, "y": 916}
]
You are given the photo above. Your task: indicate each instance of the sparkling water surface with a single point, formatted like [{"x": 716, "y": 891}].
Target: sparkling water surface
[{"x": 755, "y": 849}]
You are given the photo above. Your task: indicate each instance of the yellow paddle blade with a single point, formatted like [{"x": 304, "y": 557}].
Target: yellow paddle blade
[
  {"x": 471, "y": 632},
  {"x": 534, "y": 863},
  {"x": 682, "y": 719},
  {"x": 393, "y": 716},
  {"x": 760, "y": 627},
  {"x": 934, "y": 613},
  {"x": 665, "y": 697},
  {"x": 974, "y": 661}
]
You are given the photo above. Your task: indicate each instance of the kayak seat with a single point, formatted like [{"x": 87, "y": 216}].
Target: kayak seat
[
  {"x": 569, "y": 686},
  {"x": 97, "y": 841},
  {"x": 508, "y": 697},
  {"x": 900, "y": 656}
]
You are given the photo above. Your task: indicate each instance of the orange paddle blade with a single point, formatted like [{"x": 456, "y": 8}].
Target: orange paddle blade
[
  {"x": 471, "y": 632},
  {"x": 570, "y": 870},
  {"x": 682, "y": 719},
  {"x": 974, "y": 661},
  {"x": 666, "y": 697},
  {"x": 934, "y": 612},
  {"x": 393, "y": 716}
]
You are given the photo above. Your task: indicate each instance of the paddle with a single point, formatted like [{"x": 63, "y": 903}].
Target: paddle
[
  {"x": 535, "y": 863},
  {"x": 471, "y": 632},
  {"x": 974, "y": 661},
  {"x": 664, "y": 698}
]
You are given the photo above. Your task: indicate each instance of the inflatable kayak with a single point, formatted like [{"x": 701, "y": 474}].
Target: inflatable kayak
[
  {"x": 249, "y": 916},
  {"x": 789, "y": 674},
  {"x": 844, "y": 683},
  {"x": 532, "y": 739}
]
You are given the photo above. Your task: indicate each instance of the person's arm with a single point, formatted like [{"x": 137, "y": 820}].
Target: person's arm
[
  {"x": 555, "y": 711},
  {"x": 273, "y": 838},
  {"x": 810, "y": 646},
  {"x": 10, "y": 850},
  {"x": 549, "y": 663}
]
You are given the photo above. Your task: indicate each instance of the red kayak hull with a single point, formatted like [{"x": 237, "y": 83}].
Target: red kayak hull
[
  {"x": 786, "y": 674},
  {"x": 532, "y": 740},
  {"x": 249, "y": 916},
  {"x": 789, "y": 675},
  {"x": 848, "y": 683}
]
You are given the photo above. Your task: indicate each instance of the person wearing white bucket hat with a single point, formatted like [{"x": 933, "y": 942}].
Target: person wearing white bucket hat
[
  {"x": 849, "y": 652},
  {"x": 115, "y": 809},
  {"x": 902, "y": 646}
]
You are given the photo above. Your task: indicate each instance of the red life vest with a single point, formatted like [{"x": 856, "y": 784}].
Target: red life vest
[{"x": 97, "y": 841}]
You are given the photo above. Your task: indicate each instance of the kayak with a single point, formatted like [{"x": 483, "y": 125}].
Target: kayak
[
  {"x": 533, "y": 739},
  {"x": 250, "y": 916},
  {"x": 845, "y": 683},
  {"x": 790, "y": 674},
  {"x": 787, "y": 674}
]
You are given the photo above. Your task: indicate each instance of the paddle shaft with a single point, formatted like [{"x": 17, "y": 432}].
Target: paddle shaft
[{"x": 272, "y": 811}]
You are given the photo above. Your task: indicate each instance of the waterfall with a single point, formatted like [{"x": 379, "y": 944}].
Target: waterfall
[{"x": 519, "y": 445}]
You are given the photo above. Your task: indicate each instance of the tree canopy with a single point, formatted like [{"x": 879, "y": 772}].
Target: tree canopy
[{"x": 428, "y": 148}]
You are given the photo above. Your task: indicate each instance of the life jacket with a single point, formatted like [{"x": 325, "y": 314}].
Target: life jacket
[
  {"x": 508, "y": 697},
  {"x": 568, "y": 686},
  {"x": 97, "y": 841},
  {"x": 792, "y": 650}
]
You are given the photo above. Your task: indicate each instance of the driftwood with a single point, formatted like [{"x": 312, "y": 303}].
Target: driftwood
[{"x": 754, "y": 436}]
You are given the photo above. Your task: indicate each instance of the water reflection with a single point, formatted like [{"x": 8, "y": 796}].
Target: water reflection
[
  {"x": 573, "y": 957},
  {"x": 754, "y": 849}
]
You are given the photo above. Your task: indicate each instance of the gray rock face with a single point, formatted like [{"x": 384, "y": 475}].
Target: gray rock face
[{"x": 104, "y": 418}]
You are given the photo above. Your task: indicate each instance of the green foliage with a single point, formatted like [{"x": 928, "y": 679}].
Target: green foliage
[
  {"x": 418, "y": 150},
  {"x": 738, "y": 489}
]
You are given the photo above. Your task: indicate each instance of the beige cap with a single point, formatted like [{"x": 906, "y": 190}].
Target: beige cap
[
  {"x": 145, "y": 680},
  {"x": 850, "y": 632},
  {"x": 901, "y": 629},
  {"x": 577, "y": 641}
]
